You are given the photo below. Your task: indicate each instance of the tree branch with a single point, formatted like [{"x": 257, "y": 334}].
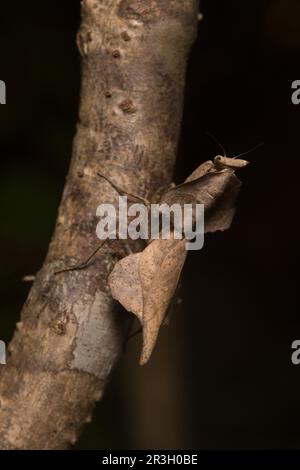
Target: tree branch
[{"x": 70, "y": 334}]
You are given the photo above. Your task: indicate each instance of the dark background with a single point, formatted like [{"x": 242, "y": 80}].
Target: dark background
[{"x": 221, "y": 375}]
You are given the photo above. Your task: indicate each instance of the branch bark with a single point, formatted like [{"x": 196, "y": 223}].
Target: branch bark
[{"x": 70, "y": 335}]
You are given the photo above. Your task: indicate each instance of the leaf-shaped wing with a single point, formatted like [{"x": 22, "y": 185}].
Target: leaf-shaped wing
[
  {"x": 217, "y": 190},
  {"x": 125, "y": 284},
  {"x": 144, "y": 283},
  {"x": 160, "y": 266}
]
